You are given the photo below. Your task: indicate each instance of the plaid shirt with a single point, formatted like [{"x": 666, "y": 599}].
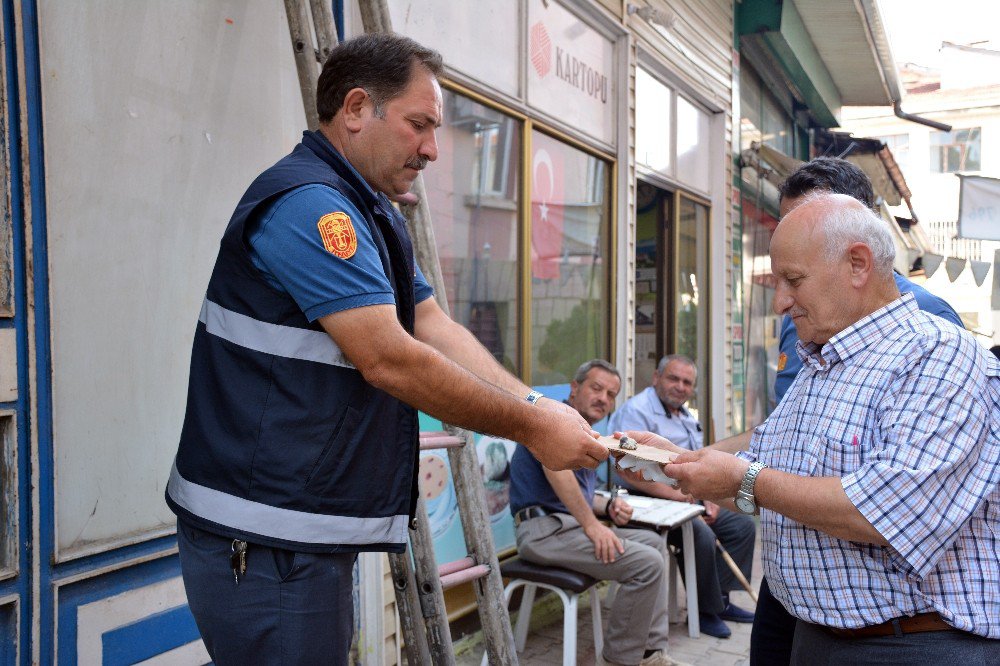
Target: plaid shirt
[{"x": 904, "y": 407}]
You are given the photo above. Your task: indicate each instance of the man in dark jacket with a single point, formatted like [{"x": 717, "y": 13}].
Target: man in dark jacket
[{"x": 317, "y": 343}]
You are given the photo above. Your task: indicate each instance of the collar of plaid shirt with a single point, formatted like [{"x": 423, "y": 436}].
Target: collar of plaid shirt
[{"x": 904, "y": 408}]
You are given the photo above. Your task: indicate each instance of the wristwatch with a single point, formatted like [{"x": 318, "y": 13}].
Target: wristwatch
[
  {"x": 533, "y": 397},
  {"x": 744, "y": 500}
]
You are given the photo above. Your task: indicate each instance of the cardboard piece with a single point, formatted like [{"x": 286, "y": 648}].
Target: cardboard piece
[{"x": 643, "y": 451}]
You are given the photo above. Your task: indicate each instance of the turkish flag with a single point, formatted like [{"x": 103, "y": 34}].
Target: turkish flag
[{"x": 547, "y": 209}]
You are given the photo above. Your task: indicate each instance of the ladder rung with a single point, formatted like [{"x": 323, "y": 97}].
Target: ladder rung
[
  {"x": 457, "y": 565},
  {"x": 464, "y": 576},
  {"x": 440, "y": 440}
]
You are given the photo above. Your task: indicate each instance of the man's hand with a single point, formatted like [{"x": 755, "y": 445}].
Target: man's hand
[
  {"x": 711, "y": 512},
  {"x": 606, "y": 542},
  {"x": 708, "y": 474},
  {"x": 619, "y": 511},
  {"x": 563, "y": 444},
  {"x": 652, "y": 439}
]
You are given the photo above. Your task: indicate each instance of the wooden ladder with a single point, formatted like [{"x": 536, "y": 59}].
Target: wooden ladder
[{"x": 418, "y": 580}]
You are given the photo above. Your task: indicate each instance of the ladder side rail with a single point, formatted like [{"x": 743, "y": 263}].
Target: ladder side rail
[
  {"x": 305, "y": 58},
  {"x": 429, "y": 590},
  {"x": 326, "y": 38},
  {"x": 476, "y": 527},
  {"x": 408, "y": 603}
]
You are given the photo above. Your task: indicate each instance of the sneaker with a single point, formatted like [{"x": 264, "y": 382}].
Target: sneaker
[
  {"x": 658, "y": 658},
  {"x": 734, "y": 613},
  {"x": 713, "y": 625},
  {"x": 661, "y": 658}
]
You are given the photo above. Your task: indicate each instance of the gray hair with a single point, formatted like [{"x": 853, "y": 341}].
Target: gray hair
[
  {"x": 583, "y": 370},
  {"x": 847, "y": 224},
  {"x": 670, "y": 358}
]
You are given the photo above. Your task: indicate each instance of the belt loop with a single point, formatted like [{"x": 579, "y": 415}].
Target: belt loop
[{"x": 897, "y": 628}]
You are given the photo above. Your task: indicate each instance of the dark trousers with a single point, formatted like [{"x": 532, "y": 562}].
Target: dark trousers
[
  {"x": 288, "y": 608},
  {"x": 773, "y": 631},
  {"x": 815, "y": 646},
  {"x": 736, "y": 532}
]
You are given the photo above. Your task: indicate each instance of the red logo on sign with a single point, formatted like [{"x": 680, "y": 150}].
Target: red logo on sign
[{"x": 541, "y": 49}]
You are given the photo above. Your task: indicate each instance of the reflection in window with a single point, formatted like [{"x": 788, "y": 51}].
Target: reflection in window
[
  {"x": 691, "y": 284},
  {"x": 692, "y": 144},
  {"x": 652, "y": 122},
  {"x": 954, "y": 151},
  {"x": 475, "y": 221},
  {"x": 569, "y": 259}
]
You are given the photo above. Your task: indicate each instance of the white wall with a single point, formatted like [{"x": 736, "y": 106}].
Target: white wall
[{"x": 156, "y": 118}]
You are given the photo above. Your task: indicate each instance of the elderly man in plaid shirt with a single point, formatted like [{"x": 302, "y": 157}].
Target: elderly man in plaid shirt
[{"x": 878, "y": 476}]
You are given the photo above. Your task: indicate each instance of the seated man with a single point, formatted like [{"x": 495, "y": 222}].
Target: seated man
[
  {"x": 554, "y": 514},
  {"x": 660, "y": 409}
]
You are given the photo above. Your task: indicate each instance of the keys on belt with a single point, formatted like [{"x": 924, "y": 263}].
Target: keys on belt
[
  {"x": 238, "y": 559},
  {"x": 529, "y": 512}
]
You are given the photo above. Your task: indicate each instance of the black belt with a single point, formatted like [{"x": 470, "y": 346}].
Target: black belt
[{"x": 529, "y": 512}]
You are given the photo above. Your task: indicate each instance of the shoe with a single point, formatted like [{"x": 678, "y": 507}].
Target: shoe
[
  {"x": 661, "y": 658},
  {"x": 658, "y": 658},
  {"x": 713, "y": 625},
  {"x": 734, "y": 613}
]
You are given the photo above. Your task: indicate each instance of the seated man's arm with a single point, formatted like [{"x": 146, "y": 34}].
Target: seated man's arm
[
  {"x": 606, "y": 542},
  {"x": 392, "y": 360},
  {"x": 734, "y": 444},
  {"x": 437, "y": 329}
]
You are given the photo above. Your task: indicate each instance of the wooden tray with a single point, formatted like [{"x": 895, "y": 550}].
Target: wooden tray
[{"x": 643, "y": 451}]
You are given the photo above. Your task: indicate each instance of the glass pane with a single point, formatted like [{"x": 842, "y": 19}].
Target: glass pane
[
  {"x": 653, "y": 218},
  {"x": 692, "y": 290},
  {"x": 955, "y": 151},
  {"x": 652, "y": 122},
  {"x": 692, "y": 145},
  {"x": 569, "y": 259},
  {"x": 8, "y": 496},
  {"x": 472, "y": 190}
]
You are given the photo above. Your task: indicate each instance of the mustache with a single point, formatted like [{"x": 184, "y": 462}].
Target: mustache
[{"x": 418, "y": 163}]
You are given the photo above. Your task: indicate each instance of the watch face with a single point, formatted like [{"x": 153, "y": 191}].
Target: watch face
[{"x": 745, "y": 505}]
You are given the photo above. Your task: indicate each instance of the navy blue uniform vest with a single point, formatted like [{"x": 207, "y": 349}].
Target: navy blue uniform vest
[{"x": 284, "y": 443}]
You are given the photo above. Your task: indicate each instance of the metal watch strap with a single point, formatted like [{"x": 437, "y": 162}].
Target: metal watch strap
[
  {"x": 533, "y": 397},
  {"x": 750, "y": 478}
]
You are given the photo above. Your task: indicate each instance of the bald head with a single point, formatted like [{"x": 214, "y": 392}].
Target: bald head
[{"x": 832, "y": 258}]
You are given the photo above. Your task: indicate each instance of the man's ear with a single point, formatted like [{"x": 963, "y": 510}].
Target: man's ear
[
  {"x": 862, "y": 263},
  {"x": 353, "y": 110}
]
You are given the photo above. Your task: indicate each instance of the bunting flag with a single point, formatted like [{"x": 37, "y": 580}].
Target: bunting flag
[
  {"x": 931, "y": 262},
  {"x": 979, "y": 271},
  {"x": 995, "y": 297},
  {"x": 954, "y": 266},
  {"x": 979, "y": 208}
]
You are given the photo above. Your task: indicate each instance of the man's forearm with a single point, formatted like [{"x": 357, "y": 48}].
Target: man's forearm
[
  {"x": 568, "y": 491},
  {"x": 734, "y": 444},
  {"x": 816, "y": 502},
  {"x": 457, "y": 343}
]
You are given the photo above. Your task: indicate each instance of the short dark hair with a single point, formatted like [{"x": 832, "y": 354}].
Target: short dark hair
[
  {"x": 829, "y": 174},
  {"x": 380, "y": 63}
]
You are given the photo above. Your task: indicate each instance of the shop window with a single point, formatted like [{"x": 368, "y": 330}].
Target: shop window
[
  {"x": 955, "y": 151},
  {"x": 473, "y": 193},
  {"x": 8, "y": 496},
  {"x": 570, "y": 222},
  {"x": 653, "y": 146},
  {"x": 691, "y": 290},
  {"x": 692, "y": 145}
]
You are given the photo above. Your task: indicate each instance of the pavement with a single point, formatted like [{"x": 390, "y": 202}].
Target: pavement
[{"x": 544, "y": 645}]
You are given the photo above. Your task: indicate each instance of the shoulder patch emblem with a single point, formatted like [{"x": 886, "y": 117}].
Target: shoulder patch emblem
[
  {"x": 338, "y": 235},
  {"x": 782, "y": 361}
]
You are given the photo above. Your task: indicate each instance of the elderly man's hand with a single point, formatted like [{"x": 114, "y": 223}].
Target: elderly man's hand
[
  {"x": 620, "y": 512},
  {"x": 708, "y": 474},
  {"x": 607, "y": 545},
  {"x": 652, "y": 439}
]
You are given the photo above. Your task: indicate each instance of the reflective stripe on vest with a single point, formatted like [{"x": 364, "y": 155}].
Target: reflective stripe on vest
[
  {"x": 274, "y": 339},
  {"x": 287, "y": 524}
]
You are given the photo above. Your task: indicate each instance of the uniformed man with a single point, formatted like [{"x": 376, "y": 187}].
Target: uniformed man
[{"x": 317, "y": 342}]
